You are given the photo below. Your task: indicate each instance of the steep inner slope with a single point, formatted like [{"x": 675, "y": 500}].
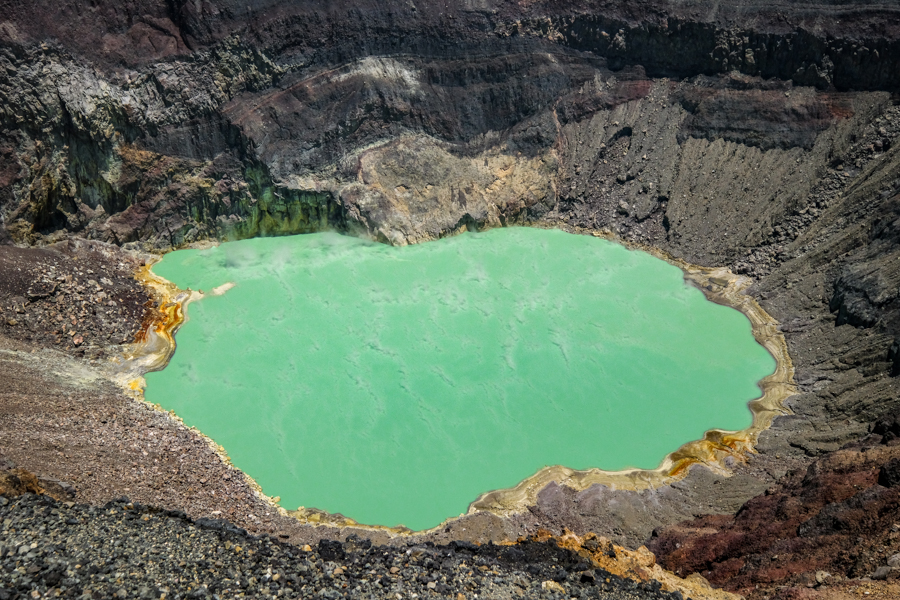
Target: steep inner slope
[{"x": 762, "y": 138}]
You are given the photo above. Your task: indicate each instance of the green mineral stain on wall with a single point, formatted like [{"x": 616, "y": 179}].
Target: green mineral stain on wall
[{"x": 395, "y": 385}]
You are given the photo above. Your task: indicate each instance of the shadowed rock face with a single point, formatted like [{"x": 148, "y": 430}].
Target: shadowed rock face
[
  {"x": 256, "y": 116},
  {"x": 762, "y": 138},
  {"x": 766, "y": 39}
]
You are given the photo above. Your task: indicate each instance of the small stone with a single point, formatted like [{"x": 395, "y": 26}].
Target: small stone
[
  {"x": 553, "y": 587},
  {"x": 881, "y": 573},
  {"x": 822, "y": 576},
  {"x": 78, "y": 340},
  {"x": 894, "y": 561},
  {"x": 889, "y": 474},
  {"x": 431, "y": 585},
  {"x": 460, "y": 597},
  {"x": 307, "y": 548},
  {"x": 337, "y": 572},
  {"x": 395, "y": 570}
]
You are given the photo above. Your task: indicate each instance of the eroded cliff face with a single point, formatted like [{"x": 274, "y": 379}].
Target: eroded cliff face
[
  {"x": 172, "y": 122},
  {"x": 764, "y": 139}
]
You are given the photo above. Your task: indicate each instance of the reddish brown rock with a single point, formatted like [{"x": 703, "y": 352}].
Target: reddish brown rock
[{"x": 835, "y": 517}]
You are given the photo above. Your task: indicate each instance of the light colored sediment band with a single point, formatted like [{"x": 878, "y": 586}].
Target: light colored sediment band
[{"x": 156, "y": 343}]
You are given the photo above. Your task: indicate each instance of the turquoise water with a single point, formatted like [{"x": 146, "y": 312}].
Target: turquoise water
[{"x": 395, "y": 385}]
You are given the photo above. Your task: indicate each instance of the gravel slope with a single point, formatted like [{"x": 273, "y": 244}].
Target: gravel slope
[{"x": 125, "y": 550}]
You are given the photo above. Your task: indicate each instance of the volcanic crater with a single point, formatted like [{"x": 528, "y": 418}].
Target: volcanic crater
[{"x": 757, "y": 139}]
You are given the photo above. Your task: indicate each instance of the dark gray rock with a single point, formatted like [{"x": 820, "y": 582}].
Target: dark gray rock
[
  {"x": 889, "y": 474},
  {"x": 158, "y": 553}
]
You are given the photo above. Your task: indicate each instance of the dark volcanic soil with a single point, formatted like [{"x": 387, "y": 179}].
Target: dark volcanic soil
[
  {"x": 77, "y": 296},
  {"x": 126, "y": 550}
]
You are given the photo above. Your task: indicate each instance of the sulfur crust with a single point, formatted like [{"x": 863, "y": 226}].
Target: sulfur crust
[{"x": 156, "y": 343}]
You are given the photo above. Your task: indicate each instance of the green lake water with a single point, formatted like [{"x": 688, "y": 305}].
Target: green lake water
[{"x": 395, "y": 385}]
